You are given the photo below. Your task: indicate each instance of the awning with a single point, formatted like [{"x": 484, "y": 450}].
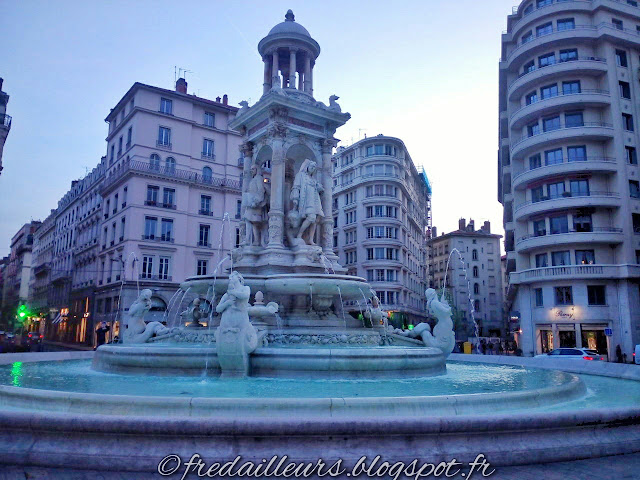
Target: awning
[{"x": 58, "y": 318}]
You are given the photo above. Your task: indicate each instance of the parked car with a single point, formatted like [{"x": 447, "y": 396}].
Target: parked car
[
  {"x": 636, "y": 355},
  {"x": 32, "y": 340},
  {"x": 581, "y": 354}
]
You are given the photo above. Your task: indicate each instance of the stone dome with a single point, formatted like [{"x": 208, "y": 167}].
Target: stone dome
[{"x": 289, "y": 26}]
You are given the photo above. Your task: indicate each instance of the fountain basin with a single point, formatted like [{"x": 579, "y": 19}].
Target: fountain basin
[{"x": 355, "y": 362}]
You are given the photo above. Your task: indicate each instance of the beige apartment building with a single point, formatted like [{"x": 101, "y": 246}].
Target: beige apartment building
[
  {"x": 382, "y": 219},
  {"x": 568, "y": 173},
  {"x": 473, "y": 279},
  {"x": 172, "y": 183}
]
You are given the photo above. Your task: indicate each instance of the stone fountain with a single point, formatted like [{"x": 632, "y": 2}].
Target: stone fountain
[{"x": 286, "y": 254}]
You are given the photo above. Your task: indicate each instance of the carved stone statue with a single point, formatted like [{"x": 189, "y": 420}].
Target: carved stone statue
[
  {"x": 195, "y": 313},
  {"x": 305, "y": 195},
  {"x": 254, "y": 200},
  {"x": 236, "y": 337},
  {"x": 443, "y": 336},
  {"x": 333, "y": 104},
  {"x": 136, "y": 330},
  {"x": 375, "y": 315}
]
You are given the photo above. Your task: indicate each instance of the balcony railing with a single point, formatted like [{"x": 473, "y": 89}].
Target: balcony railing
[
  {"x": 584, "y": 91},
  {"x": 5, "y": 121},
  {"x": 172, "y": 173},
  {"x": 204, "y": 244},
  {"x": 161, "y": 238},
  {"x": 209, "y": 213},
  {"x": 575, "y": 59},
  {"x": 147, "y": 276},
  {"x": 561, "y": 127},
  {"x": 569, "y": 195},
  {"x": 593, "y": 230},
  {"x": 577, "y": 160},
  {"x": 161, "y": 144}
]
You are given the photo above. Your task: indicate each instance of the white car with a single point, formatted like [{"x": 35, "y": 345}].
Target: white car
[
  {"x": 573, "y": 354},
  {"x": 636, "y": 355}
]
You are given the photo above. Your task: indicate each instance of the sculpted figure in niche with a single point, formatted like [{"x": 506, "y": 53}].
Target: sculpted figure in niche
[
  {"x": 305, "y": 195},
  {"x": 254, "y": 200}
]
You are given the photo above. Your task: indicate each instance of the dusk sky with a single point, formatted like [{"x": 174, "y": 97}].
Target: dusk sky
[{"x": 425, "y": 71}]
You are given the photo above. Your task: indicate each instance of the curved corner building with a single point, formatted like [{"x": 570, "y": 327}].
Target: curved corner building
[{"x": 568, "y": 173}]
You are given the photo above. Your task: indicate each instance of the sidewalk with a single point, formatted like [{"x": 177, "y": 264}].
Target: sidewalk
[{"x": 60, "y": 346}]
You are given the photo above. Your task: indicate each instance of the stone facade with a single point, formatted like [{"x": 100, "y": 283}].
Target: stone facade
[
  {"x": 568, "y": 173},
  {"x": 5, "y": 121},
  {"x": 480, "y": 271},
  {"x": 382, "y": 219}
]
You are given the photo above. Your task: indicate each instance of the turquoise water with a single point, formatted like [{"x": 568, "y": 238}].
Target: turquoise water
[{"x": 461, "y": 378}]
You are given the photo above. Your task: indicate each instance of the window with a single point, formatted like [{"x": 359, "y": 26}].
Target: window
[
  {"x": 582, "y": 222},
  {"x": 555, "y": 190},
  {"x": 168, "y": 197},
  {"x": 531, "y": 98},
  {"x": 534, "y": 161},
  {"x": 549, "y": 124},
  {"x": 569, "y": 88},
  {"x": 627, "y": 122},
  {"x": 528, "y": 9},
  {"x": 621, "y": 58},
  {"x": 150, "y": 224},
  {"x": 636, "y": 222},
  {"x": 577, "y": 154},
  {"x": 167, "y": 230},
  {"x": 541, "y": 260},
  {"x": 129, "y": 136},
  {"x": 539, "y": 228},
  {"x": 207, "y": 174},
  {"x": 154, "y": 161},
  {"x": 559, "y": 259},
  {"x": 203, "y": 237},
  {"x": 207, "y": 148},
  {"x": 201, "y": 267},
  {"x": 113, "y": 154},
  {"x": 164, "y": 136},
  {"x": 163, "y": 268},
  {"x": 533, "y": 129},
  {"x": 147, "y": 266},
  {"x": 566, "y": 24},
  {"x": 553, "y": 157},
  {"x": 170, "y": 165},
  {"x": 546, "y": 60},
  {"x": 537, "y": 194},
  {"x": 538, "y": 297},
  {"x": 544, "y": 29},
  {"x": 543, "y": 3},
  {"x": 474, "y": 254},
  {"x": 579, "y": 188},
  {"x": 573, "y": 120},
  {"x": 625, "y": 90},
  {"x": 152, "y": 195},
  {"x": 634, "y": 189},
  {"x": 568, "y": 55},
  {"x": 617, "y": 23},
  {"x": 209, "y": 119},
  {"x": 166, "y": 106},
  {"x": 585, "y": 257},
  {"x": 122, "y": 224},
  {"x": 120, "y": 146},
  {"x": 529, "y": 67},
  {"x": 559, "y": 225},
  {"x": 549, "y": 91},
  {"x": 596, "y": 294},
  {"x": 476, "y": 306},
  {"x": 475, "y": 271},
  {"x": 527, "y": 37},
  {"x": 564, "y": 296},
  {"x": 632, "y": 156}
]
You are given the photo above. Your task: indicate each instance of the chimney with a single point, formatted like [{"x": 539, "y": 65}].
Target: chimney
[
  {"x": 1, "y": 82},
  {"x": 472, "y": 225},
  {"x": 434, "y": 232},
  {"x": 462, "y": 223},
  {"x": 225, "y": 99},
  {"x": 487, "y": 227},
  {"x": 181, "y": 85},
  {"x": 218, "y": 99}
]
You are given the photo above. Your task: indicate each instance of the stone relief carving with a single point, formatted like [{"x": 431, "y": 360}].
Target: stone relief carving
[{"x": 254, "y": 202}]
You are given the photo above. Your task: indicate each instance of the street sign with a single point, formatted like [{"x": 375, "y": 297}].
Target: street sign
[{"x": 608, "y": 332}]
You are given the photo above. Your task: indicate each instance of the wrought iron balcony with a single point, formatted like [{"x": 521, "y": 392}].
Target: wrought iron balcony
[{"x": 148, "y": 276}]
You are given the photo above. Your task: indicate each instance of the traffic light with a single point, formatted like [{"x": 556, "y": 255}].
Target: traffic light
[{"x": 22, "y": 311}]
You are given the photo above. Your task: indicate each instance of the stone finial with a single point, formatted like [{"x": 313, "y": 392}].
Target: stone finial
[
  {"x": 259, "y": 298},
  {"x": 289, "y": 17}
]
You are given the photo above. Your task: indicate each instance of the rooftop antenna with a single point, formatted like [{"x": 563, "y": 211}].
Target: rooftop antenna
[
  {"x": 179, "y": 72},
  {"x": 360, "y": 130}
]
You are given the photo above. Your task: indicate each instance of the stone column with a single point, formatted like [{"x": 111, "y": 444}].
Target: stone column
[
  {"x": 556, "y": 335},
  {"x": 307, "y": 73},
  {"x": 301, "y": 81},
  {"x": 276, "y": 207},
  {"x": 578, "y": 328},
  {"x": 292, "y": 67},
  {"x": 326, "y": 239},
  {"x": 275, "y": 72},
  {"x": 266, "y": 85},
  {"x": 311, "y": 80}
]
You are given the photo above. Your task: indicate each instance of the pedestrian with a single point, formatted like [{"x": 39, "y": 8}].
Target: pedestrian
[
  {"x": 490, "y": 347},
  {"x": 618, "y": 354},
  {"x": 483, "y": 347},
  {"x": 101, "y": 333},
  {"x": 500, "y": 349}
]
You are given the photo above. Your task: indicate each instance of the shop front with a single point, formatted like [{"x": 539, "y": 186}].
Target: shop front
[{"x": 591, "y": 335}]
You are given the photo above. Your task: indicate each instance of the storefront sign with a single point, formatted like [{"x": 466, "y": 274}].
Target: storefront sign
[{"x": 564, "y": 314}]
